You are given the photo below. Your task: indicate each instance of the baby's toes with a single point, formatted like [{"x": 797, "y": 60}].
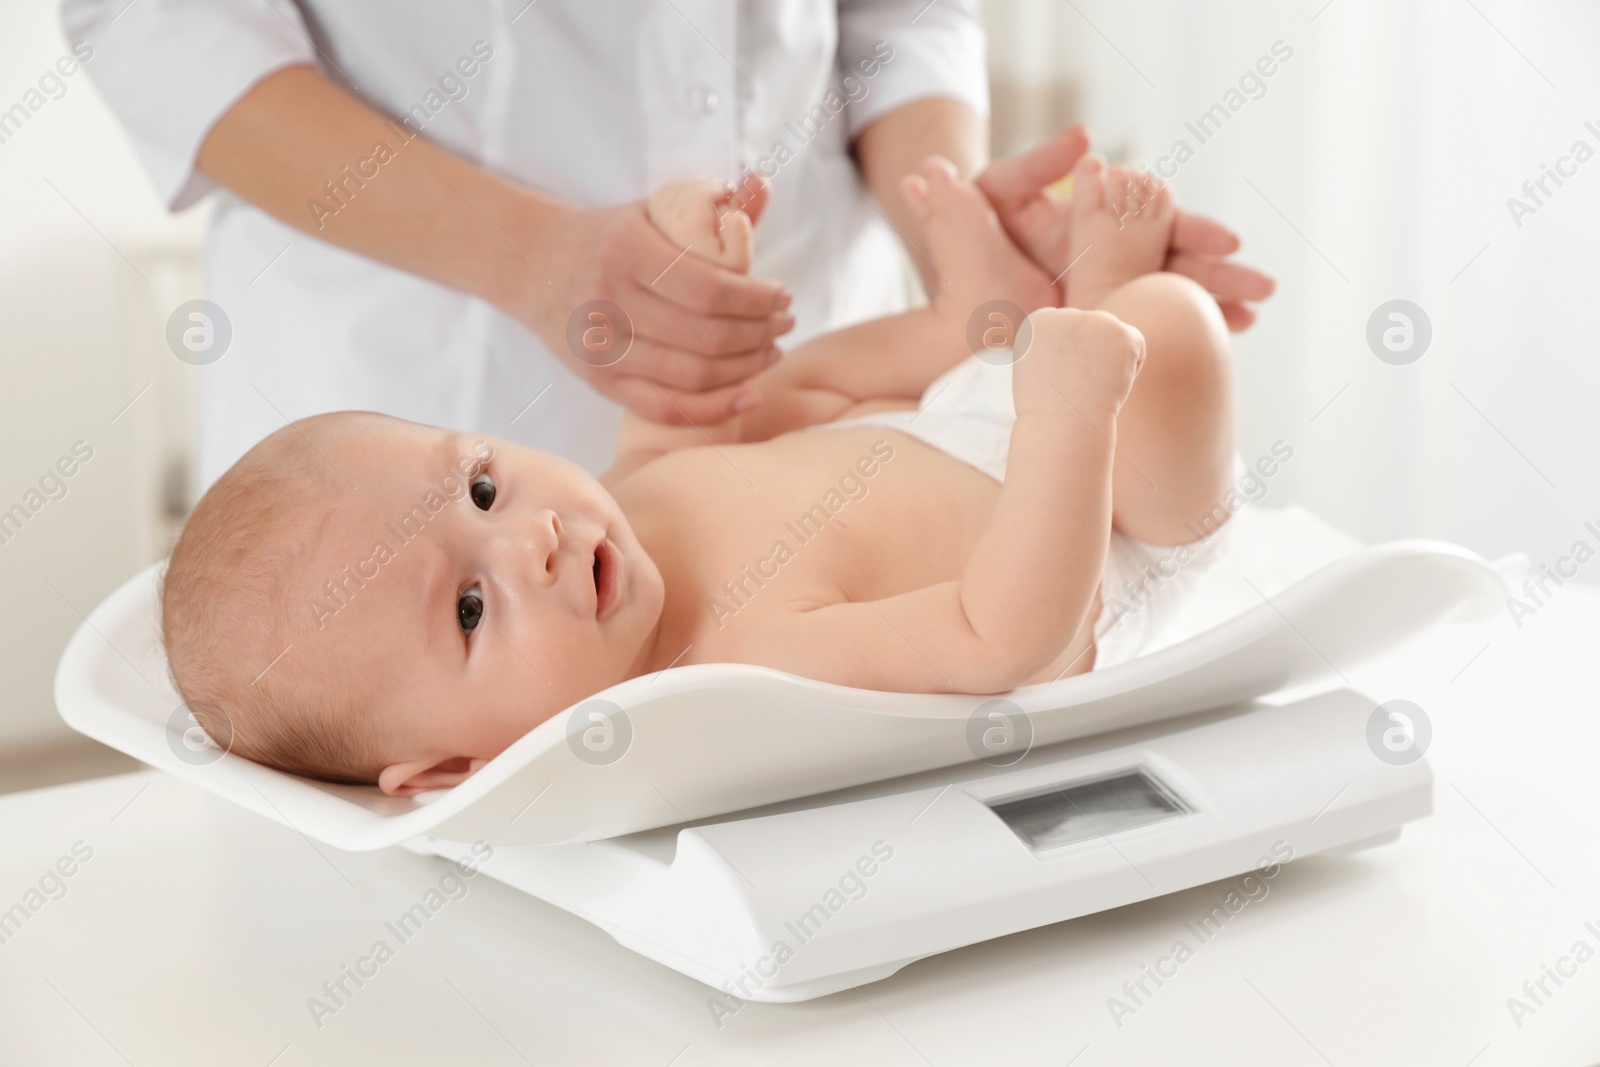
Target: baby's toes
[
  {"x": 1163, "y": 195},
  {"x": 952, "y": 200},
  {"x": 1089, "y": 185},
  {"x": 1146, "y": 200},
  {"x": 1126, "y": 192},
  {"x": 1154, "y": 194},
  {"x": 914, "y": 188},
  {"x": 1162, "y": 206}
]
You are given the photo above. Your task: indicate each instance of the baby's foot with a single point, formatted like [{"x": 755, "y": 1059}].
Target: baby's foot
[
  {"x": 975, "y": 259},
  {"x": 1121, "y": 228},
  {"x": 710, "y": 218}
]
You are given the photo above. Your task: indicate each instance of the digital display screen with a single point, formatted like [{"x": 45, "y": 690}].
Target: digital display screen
[{"x": 1068, "y": 812}]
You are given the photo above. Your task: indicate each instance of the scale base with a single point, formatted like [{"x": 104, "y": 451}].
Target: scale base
[{"x": 816, "y": 896}]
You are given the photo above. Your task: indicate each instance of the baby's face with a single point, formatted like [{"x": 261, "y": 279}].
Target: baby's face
[{"x": 475, "y": 618}]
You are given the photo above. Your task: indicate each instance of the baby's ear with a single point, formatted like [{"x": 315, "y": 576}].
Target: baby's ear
[
  {"x": 419, "y": 776},
  {"x": 710, "y": 218}
]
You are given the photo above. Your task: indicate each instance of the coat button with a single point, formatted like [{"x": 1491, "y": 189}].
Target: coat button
[{"x": 702, "y": 99}]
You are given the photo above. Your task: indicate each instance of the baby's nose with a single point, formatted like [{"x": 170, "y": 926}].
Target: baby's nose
[{"x": 546, "y": 538}]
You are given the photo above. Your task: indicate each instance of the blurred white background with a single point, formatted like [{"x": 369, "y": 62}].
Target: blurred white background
[{"x": 1374, "y": 164}]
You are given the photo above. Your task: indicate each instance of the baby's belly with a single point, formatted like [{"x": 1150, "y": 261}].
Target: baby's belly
[
  {"x": 881, "y": 512},
  {"x": 929, "y": 515}
]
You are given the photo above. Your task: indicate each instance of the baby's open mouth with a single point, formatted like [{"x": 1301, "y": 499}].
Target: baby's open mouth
[{"x": 606, "y": 578}]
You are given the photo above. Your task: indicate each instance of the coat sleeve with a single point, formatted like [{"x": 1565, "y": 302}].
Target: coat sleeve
[
  {"x": 168, "y": 69},
  {"x": 920, "y": 49}
]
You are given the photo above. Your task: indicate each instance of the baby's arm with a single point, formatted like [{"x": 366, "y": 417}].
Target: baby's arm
[
  {"x": 894, "y": 357},
  {"x": 1030, "y": 583}
]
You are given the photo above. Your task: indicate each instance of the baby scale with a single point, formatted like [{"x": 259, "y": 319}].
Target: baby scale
[{"x": 779, "y": 839}]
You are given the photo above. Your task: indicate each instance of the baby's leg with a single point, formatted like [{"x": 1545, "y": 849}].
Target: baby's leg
[
  {"x": 1175, "y": 442},
  {"x": 1175, "y": 432}
]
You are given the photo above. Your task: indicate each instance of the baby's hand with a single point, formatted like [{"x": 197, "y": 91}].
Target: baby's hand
[
  {"x": 1084, "y": 361},
  {"x": 712, "y": 219}
]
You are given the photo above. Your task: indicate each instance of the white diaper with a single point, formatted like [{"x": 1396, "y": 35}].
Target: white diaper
[{"x": 967, "y": 413}]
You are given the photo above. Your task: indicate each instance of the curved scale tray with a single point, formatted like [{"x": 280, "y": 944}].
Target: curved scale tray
[{"x": 709, "y": 739}]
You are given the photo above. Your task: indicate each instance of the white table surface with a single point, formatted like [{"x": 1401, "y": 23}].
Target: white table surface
[{"x": 197, "y": 932}]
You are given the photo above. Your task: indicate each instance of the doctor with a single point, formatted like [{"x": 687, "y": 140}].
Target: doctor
[{"x": 421, "y": 201}]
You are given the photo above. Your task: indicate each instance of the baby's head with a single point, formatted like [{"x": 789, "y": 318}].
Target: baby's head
[{"x": 365, "y": 599}]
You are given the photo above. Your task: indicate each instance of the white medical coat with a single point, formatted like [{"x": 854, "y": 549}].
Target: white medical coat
[{"x": 593, "y": 101}]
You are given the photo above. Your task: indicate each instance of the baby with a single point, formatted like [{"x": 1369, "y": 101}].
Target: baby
[{"x": 364, "y": 599}]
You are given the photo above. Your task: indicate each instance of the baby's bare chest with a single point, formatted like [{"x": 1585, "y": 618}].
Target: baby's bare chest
[{"x": 808, "y": 519}]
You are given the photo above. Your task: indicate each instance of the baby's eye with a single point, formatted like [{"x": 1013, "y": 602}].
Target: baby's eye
[
  {"x": 483, "y": 491},
  {"x": 469, "y": 609}
]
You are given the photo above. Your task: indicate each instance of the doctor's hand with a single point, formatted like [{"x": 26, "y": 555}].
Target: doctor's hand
[
  {"x": 698, "y": 331},
  {"x": 1039, "y": 220}
]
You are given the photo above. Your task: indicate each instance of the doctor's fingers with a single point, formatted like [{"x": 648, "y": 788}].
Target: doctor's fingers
[
  {"x": 1238, "y": 315},
  {"x": 672, "y": 325},
  {"x": 1010, "y": 181},
  {"x": 1202, "y": 235},
  {"x": 677, "y": 407},
  {"x": 1223, "y": 277},
  {"x": 674, "y": 368}
]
